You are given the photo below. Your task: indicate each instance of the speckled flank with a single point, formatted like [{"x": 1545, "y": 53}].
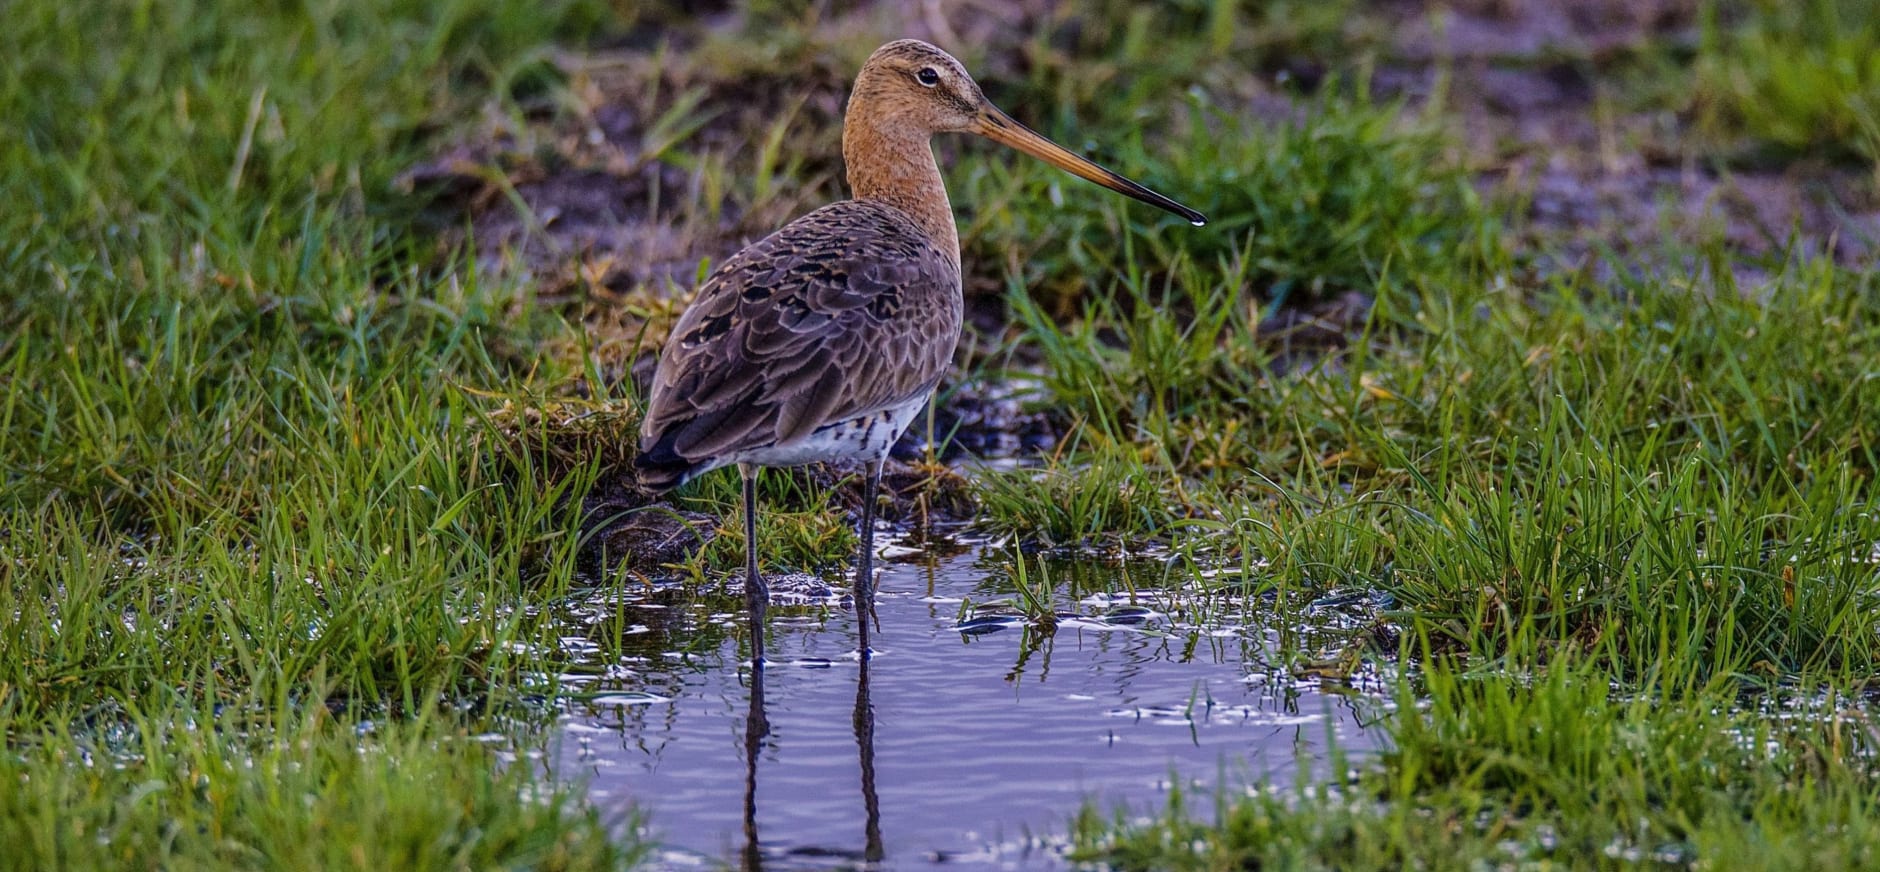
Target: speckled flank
[{"x": 863, "y": 439}]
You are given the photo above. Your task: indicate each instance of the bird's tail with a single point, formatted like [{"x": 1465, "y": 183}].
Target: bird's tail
[{"x": 661, "y": 469}]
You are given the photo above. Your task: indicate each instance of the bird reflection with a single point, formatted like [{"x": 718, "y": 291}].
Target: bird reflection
[
  {"x": 757, "y": 729},
  {"x": 865, "y": 744}
]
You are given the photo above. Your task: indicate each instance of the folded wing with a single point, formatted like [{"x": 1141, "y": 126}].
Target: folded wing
[{"x": 842, "y": 313}]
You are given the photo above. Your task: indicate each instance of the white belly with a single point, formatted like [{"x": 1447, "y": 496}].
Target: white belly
[{"x": 865, "y": 439}]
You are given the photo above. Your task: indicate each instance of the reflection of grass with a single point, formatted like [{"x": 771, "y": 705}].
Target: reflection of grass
[{"x": 1800, "y": 76}]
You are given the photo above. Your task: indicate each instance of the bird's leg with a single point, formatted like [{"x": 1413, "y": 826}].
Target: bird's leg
[
  {"x": 865, "y": 559},
  {"x": 756, "y": 596}
]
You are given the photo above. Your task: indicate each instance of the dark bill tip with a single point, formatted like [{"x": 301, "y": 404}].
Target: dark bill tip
[
  {"x": 1133, "y": 190},
  {"x": 999, "y": 127}
]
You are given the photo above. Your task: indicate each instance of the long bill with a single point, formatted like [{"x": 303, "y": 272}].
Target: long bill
[{"x": 1000, "y": 128}]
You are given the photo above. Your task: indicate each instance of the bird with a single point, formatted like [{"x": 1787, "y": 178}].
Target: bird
[{"x": 822, "y": 341}]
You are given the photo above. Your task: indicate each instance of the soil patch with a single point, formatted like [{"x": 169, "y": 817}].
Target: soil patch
[{"x": 1541, "y": 91}]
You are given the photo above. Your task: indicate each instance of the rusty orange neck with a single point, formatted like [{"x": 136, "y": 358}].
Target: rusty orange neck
[{"x": 893, "y": 163}]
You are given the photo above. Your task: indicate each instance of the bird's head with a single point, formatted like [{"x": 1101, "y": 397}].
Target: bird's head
[{"x": 913, "y": 85}]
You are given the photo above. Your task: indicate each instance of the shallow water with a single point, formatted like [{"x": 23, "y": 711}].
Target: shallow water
[{"x": 960, "y": 744}]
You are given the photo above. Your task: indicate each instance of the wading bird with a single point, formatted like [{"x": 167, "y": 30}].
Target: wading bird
[{"x": 823, "y": 340}]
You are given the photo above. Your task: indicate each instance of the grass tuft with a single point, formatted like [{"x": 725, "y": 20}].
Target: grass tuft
[
  {"x": 1797, "y": 78},
  {"x": 1346, "y": 195},
  {"x": 1556, "y": 769},
  {"x": 315, "y": 795}
]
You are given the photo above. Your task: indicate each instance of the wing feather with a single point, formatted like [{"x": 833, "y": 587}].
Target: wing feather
[{"x": 846, "y": 311}]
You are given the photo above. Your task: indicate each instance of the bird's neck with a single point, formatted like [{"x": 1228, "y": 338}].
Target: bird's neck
[{"x": 894, "y": 164}]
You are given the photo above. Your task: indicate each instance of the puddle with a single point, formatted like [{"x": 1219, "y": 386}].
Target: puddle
[{"x": 966, "y": 742}]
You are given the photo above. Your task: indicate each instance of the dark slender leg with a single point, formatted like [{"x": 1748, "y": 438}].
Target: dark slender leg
[
  {"x": 865, "y": 743},
  {"x": 756, "y": 728},
  {"x": 865, "y": 561},
  {"x": 756, "y": 596}
]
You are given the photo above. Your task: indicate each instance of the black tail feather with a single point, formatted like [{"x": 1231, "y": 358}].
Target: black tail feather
[{"x": 661, "y": 469}]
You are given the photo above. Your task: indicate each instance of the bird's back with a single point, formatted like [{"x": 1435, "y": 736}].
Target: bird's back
[{"x": 848, "y": 314}]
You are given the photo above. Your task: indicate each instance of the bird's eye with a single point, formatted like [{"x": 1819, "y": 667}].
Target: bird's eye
[{"x": 928, "y": 76}]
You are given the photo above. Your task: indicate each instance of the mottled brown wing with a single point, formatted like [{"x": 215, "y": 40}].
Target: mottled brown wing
[{"x": 844, "y": 312}]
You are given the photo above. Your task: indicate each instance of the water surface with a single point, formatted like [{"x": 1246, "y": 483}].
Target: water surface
[{"x": 966, "y": 742}]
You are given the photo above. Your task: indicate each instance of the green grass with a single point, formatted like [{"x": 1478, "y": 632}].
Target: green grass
[
  {"x": 240, "y": 459},
  {"x": 1613, "y": 509},
  {"x": 1624, "y": 449},
  {"x": 287, "y": 496},
  {"x": 1797, "y": 78},
  {"x": 1350, "y": 195},
  {"x": 1114, "y": 64},
  {"x": 1102, "y": 497},
  {"x": 798, "y": 525},
  {"x": 1556, "y": 771},
  {"x": 313, "y": 794},
  {"x": 1608, "y": 514}
]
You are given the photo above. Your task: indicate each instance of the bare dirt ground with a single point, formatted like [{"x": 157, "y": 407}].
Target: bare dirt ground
[{"x": 1541, "y": 92}]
